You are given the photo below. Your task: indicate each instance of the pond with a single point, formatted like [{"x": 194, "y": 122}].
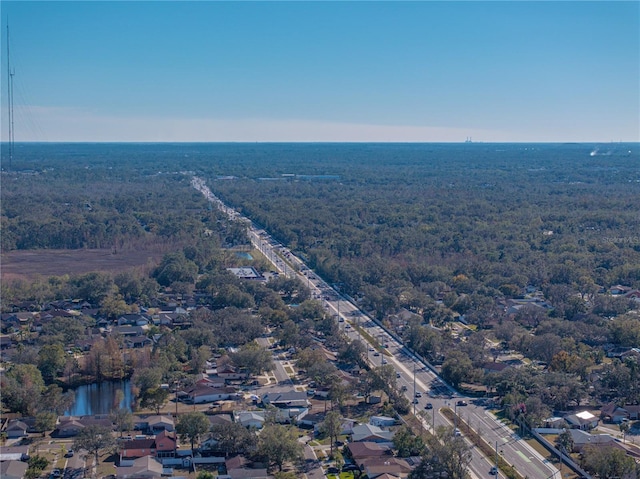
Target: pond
[{"x": 101, "y": 398}]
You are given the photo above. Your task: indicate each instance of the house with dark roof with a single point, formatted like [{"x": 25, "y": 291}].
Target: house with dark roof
[
  {"x": 613, "y": 413},
  {"x": 494, "y": 367},
  {"x": 133, "y": 342},
  {"x": 138, "y": 448},
  {"x": 286, "y": 399},
  {"x": 361, "y": 450},
  {"x": 617, "y": 414},
  {"x": 16, "y": 429},
  {"x": 135, "y": 319},
  {"x": 230, "y": 372},
  {"x": 70, "y": 426}
]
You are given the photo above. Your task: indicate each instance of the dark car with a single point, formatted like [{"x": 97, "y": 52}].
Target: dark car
[
  {"x": 428, "y": 406},
  {"x": 333, "y": 470},
  {"x": 461, "y": 402},
  {"x": 69, "y": 453},
  {"x": 350, "y": 468}
]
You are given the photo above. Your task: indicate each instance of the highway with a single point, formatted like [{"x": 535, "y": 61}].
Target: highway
[{"x": 410, "y": 372}]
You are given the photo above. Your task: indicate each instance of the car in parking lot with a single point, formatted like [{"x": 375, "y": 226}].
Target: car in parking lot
[
  {"x": 416, "y": 401},
  {"x": 398, "y": 375},
  {"x": 376, "y": 353},
  {"x": 418, "y": 394},
  {"x": 69, "y": 453},
  {"x": 428, "y": 406},
  {"x": 56, "y": 473},
  {"x": 456, "y": 432},
  {"x": 384, "y": 361},
  {"x": 461, "y": 402},
  {"x": 493, "y": 471}
]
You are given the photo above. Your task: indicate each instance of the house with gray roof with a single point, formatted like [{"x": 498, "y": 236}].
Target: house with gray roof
[
  {"x": 13, "y": 469},
  {"x": 286, "y": 399}
]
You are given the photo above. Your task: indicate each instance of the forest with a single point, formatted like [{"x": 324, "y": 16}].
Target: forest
[{"x": 447, "y": 232}]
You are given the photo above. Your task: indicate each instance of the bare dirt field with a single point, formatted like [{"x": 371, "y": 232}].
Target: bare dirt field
[{"x": 28, "y": 264}]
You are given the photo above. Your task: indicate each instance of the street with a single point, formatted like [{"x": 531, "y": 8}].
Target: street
[{"x": 413, "y": 374}]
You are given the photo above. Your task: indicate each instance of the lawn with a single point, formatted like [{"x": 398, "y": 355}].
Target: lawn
[{"x": 342, "y": 475}]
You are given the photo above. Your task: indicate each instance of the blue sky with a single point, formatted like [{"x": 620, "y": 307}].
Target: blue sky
[{"x": 323, "y": 71}]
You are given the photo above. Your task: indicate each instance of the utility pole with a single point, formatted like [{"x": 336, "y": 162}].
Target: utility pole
[{"x": 10, "y": 75}]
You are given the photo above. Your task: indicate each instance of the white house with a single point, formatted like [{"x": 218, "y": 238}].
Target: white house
[
  {"x": 203, "y": 394},
  {"x": 382, "y": 421},
  {"x": 367, "y": 432},
  {"x": 252, "y": 419},
  {"x": 582, "y": 420},
  {"x": 295, "y": 414}
]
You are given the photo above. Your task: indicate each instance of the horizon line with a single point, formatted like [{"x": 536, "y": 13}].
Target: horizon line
[{"x": 355, "y": 142}]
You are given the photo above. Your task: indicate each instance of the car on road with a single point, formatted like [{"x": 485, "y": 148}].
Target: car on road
[
  {"x": 371, "y": 350},
  {"x": 456, "y": 432},
  {"x": 376, "y": 353},
  {"x": 398, "y": 375},
  {"x": 384, "y": 361},
  {"x": 69, "y": 453},
  {"x": 493, "y": 471},
  {"x": 428, "y": 406},
  {"x": 416, "y": 401},
  {"x": 418, "y": 394},
  {"x": 462, "y": 402}
]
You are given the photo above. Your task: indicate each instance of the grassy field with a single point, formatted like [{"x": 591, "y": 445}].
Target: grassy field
[{"x": 27, "y": 264}]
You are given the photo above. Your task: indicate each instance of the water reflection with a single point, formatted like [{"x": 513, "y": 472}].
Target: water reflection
[{"x": 101, "y": 398}]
